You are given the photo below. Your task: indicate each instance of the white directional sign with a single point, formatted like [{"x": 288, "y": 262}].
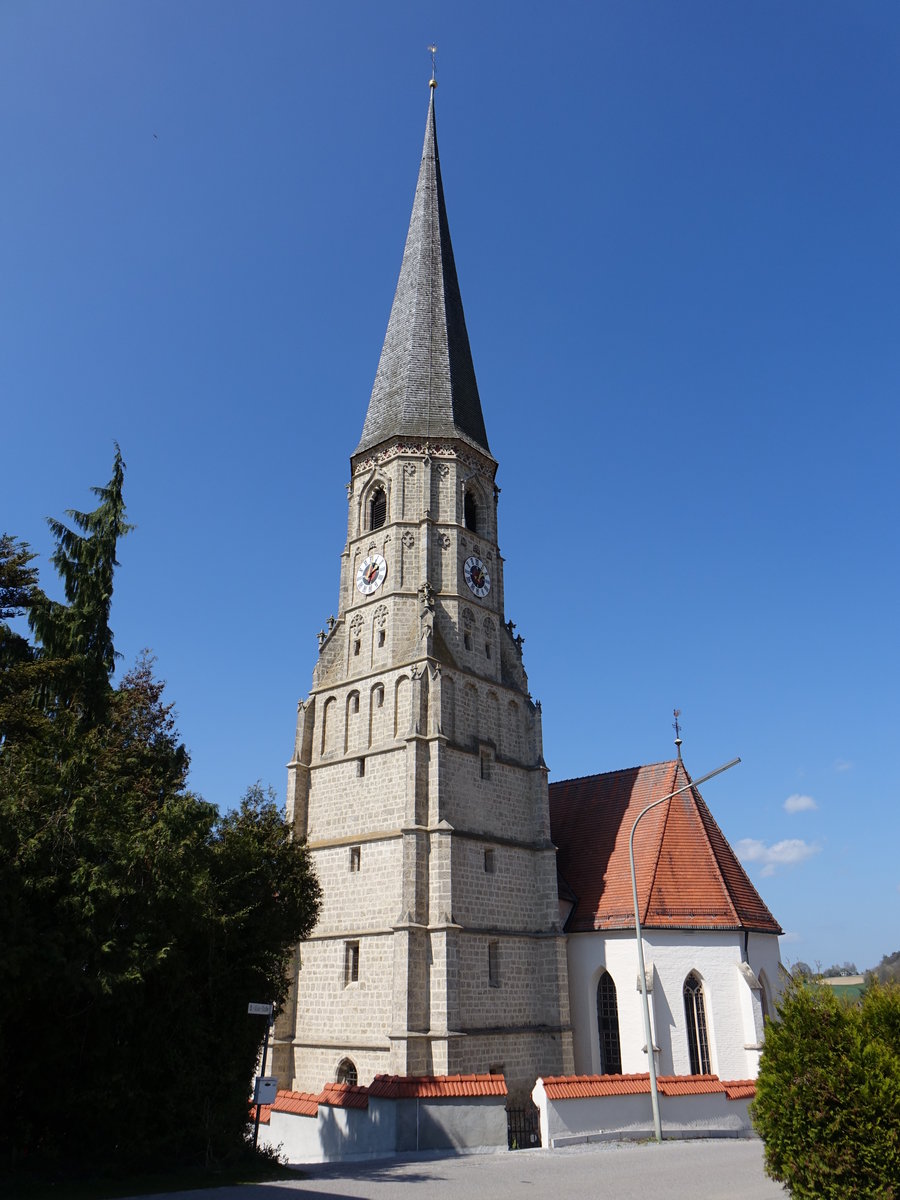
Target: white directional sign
[{"x": 259, "y": 1010}]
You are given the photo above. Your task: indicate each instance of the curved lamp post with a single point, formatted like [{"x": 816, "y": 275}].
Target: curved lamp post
[{"x": 651, "y": 1062}]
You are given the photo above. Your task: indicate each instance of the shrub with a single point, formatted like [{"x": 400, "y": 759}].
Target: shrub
[{"x": 828, "y": 1094}]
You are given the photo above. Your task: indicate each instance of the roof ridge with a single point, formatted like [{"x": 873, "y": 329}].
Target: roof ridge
[
  {"x": 707, "y": 819},
  {"x": 665, "y": 762},
  {"x": 662, "y": 837}
]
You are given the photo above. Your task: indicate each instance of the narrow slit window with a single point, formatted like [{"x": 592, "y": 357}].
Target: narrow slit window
[
  {"x": 489, "y": 863},
  {"x": 467, "y": 641},
  {"x": 380, "y": 637},
  {"x": 360, "y": 767},
  {"x": 355, "y": 858},
  {"x": 494, "y": 964},
  {"x": 487, "y": 649},
  {"x": 351, "y": 963},
  {"x": 356, "y": 647}
]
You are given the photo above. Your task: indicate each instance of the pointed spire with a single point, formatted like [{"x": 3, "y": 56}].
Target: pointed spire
[{"x": 425, "y": 385}]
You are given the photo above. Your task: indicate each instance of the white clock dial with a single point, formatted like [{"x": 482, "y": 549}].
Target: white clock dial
[
  {"x": 371, "y": 574},
  {"x": 477, "y": 576}
]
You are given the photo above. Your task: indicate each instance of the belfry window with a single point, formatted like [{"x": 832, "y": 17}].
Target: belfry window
[
  {"x": 470, "y": 512},
  {"x": 377, "y": 508},
  {"x": 695, "y": 1015},
  {"x": 608, "y": 1026}
]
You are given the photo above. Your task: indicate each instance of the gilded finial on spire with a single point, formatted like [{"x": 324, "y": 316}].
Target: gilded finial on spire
[
  {"x": 433, "y": 82},
  {"x": 676, "y": 713}
]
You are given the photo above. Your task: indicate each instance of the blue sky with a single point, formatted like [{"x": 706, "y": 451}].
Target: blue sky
[{"x": 676, "y": 233}]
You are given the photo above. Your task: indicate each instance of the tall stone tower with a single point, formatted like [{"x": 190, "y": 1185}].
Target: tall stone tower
[{"x": 418, "y": 776}]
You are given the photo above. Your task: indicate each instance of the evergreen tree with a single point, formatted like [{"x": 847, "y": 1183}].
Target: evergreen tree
[
  {"x": 19, "y": 592},
  {"x": 76, "y": 635},
  {"x": 135, "y": 922}
]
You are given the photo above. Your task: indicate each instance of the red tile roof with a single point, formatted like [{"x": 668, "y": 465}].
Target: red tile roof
[
  {"x": 583, "y": 1087},
  {"x": 301, "y": 1104},
  {"x": 688, "y": 877},
  {"x": 344, "y": 1095},
  {"x": 401, "y": 1087}
]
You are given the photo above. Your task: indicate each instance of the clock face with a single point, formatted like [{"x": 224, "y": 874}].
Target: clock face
[
  {"x": 477, "y": 577},
  {"x": 371, "y": 574}
]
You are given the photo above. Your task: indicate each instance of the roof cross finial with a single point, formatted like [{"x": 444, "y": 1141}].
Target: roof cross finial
[
  {"x": 676, "y": 713},
  {"x": 433, "y": 81}
]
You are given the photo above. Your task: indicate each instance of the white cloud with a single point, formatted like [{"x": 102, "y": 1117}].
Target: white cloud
[
  {"x": 800, "y": 803},
  {"x": 788, "y": 853},
  {"x": 843, "y": 764}
]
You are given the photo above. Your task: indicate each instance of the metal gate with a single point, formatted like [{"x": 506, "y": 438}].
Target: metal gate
[{"x": 523, "y": 1127}]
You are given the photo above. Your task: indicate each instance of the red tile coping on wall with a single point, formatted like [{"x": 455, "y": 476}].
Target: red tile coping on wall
[
  {"x": 406, "y": 1087},
  {"x": 384, "y": 1087},
  {"x": 344, "y": 1095},
  {"x": 583, "y": 1087},
  {"x": 301, "y": 1104}
]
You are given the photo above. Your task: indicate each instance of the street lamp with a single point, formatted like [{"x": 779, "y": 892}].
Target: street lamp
[{"x": 651, "y": 1062}]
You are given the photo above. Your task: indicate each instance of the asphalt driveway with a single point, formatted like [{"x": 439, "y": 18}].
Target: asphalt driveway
[{"x": 722, "y": 1169}]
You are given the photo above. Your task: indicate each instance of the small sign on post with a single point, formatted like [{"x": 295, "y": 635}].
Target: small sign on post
[
  {"x": 266, "y": 1086},
  {"x": 266, "y": 1089}
]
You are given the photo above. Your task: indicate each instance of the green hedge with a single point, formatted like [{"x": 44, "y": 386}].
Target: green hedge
[{"x": 828, "y": 1094}]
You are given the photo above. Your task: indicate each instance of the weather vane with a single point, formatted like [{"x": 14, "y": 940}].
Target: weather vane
[
  {"x": 676, "y": 713},
  {"x": 433, "y": 50}
]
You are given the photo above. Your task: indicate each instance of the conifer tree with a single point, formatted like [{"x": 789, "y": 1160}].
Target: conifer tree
[
  {"x": 77, "y": 635},
  {"x": 135, "y": 922}
]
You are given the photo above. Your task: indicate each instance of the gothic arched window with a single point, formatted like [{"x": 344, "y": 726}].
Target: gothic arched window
[
  {"x": 377, "y": 508},
  {"x": 695, "y": 1015},
  {"x": 608, "y": 1026},
  {"x": 346, "y": 1072},
  {"x": 470, "y": 512}
]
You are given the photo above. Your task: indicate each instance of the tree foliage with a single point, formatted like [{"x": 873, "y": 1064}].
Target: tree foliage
[
  {"x": 136, "y": 922},
  {"x": 828, "y": 1094}
]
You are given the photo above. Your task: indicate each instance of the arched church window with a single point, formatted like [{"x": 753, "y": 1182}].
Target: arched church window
[
  {"x": 470, "y": 512},
  {"x": 608, "y": 1026},
  {"x": 695, "y": 1015},
  {"x": 377, "y": 508},
  {"x": 346, "y": 1072}
]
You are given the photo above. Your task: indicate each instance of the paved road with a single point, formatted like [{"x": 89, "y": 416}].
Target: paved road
[{"x": 722, "y": 1169}]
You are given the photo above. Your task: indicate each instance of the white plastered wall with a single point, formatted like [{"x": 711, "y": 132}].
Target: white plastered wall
[{"x": 733, "y": 1005}]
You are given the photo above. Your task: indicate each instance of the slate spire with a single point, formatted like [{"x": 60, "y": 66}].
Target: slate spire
[{"x": 425, "y": 385}]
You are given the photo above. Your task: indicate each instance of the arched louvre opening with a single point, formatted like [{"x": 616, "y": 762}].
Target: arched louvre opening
[
  {"x": 377, "y": 509},
  {"x": 608, "y": 1026},
  {"x": 695, "y": 1015},
  {"x": 471, "y": 512}
]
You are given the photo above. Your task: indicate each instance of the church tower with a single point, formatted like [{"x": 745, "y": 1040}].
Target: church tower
[{"x": 418, "y": 776}]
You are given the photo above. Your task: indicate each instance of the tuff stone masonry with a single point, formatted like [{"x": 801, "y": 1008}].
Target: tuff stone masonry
[{"x": 418, "y": 775}]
